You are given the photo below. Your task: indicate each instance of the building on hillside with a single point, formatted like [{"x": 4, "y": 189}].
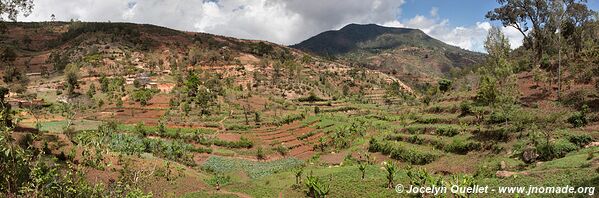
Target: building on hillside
[{"x": 151, "y": 85}]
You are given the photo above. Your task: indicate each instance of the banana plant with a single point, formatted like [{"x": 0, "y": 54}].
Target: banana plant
[
  {"x": 362, "y": 168},
  {"x": 391, "y": 172},
  {"x": 316, "y": 187}
]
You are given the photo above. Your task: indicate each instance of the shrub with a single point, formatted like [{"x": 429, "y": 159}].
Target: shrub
[
  {"x": 447, "y": 131},
  {"x": 557, "y": 149},
  {"x": 289, "y": 119},
  {"x": 260, "y": 153},
  {"x": 281, "y": 150},
  {"x": 444, "y": 85},
  {"x": 400, "y": 152},
  {"x": 311, "y": 98},
  {"x": 415, "y": 130},
  {"x": 466, "y": 108},
  {"x": 236, "y": 127},
  {"x": 460, "y": 146},
  {"x": 579, "y": 119},
  {"x": 580, "y": 140},
  {"x": 498, "y": 117},
  {"x": 415, "y": 139}
]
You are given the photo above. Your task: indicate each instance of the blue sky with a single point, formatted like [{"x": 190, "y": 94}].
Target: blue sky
[
  {"x": 457, "y": 22},
  {"x": 459, "y": 12}
]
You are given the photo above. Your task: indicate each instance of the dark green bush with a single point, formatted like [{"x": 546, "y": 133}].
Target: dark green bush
[
  {"x": 557, "y": 149},
  {"x": 466, "y": 108},
  {"x": 444, "y": 85},
  {"x": 415, "y": 139},
  {"x": 580, "y": 140},
  {"x": 447, "y": 131},
  {"x": 460, "y": 146},
  {"x": 579, "y": 119},
  {"x": 399, "y": 152}
]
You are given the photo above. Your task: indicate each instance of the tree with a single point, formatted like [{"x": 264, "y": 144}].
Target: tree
[
  {"x": 497, "y": 80},
  {"x": 544, "y": 18},
  {"x": 12, "y": 8},
  {"x": 52, "y": 17},
  {"x": 257, "y": 119},
  {"x": 205, "y": 99},
  {"x": 518, "y": 14},
  {"x": 143, "y": 95},
  {"x": 104, "y": 83},
  {"x": 72, "y": 77},
  {"x": 8, "y": 55}
]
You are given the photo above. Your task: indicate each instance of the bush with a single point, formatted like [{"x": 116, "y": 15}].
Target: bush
[
  {"x": 448, "y": 131},
  {"x": 557, "y": 149},
  {"x": 579, "y": 119},
  {"x": 289, "y": 119},
  {"x": 236, "y": 127},
  {"x": 400, "y": 152},
  {"x": 460, "y": 146},
  {"x": 466, "y": 108},
  {"x": 498, "y": 117},
  {"x": 580, "y": 140},
  {"x": 415, "y": 139},
  {"x": 444, "y": 85},
  {"x": 281, "y": 150},
  {"x": 311, "y": 98},
  {"x": 415, "y": 129}
]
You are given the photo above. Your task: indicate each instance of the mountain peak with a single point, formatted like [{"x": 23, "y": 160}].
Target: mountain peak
[
  {"x": 402, "y": 51},
  {"x": 348, "y": 38}
]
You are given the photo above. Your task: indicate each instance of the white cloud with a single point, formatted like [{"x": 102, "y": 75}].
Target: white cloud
[
  {"x": 467, "y": 37},
  {"x": 279, "y": 21}
]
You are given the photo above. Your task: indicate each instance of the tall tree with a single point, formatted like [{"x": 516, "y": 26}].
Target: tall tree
[
  {"x": 538, "y": 20},
  {"x": 12, "y": 8},
  {"x": 72, "y": 78}
]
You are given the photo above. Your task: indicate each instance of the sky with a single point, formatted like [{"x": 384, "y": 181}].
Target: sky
[{"x": 457, "y": 22}]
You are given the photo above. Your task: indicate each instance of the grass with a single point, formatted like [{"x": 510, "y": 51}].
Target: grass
[
  {"x": 345, "y": 181},
  {"x": 78, "y": 125},
  {"x": 251, "y": 168},
  {"x": 577, "y": 159}
]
